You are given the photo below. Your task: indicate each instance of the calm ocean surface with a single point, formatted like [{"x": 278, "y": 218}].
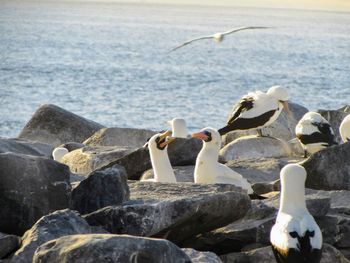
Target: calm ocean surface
[{"x": 109, "y": 62}]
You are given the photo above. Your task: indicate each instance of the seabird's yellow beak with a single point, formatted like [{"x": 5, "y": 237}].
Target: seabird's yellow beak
[
  {"x": 164, "y": 136},
  {"x": 200, "y": 135}
]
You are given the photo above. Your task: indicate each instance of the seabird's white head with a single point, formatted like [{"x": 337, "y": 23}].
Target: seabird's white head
[
  {"x": 344, "y": 129},
  {"x": 280, "y": 94},
  {"x": 58, "y": 153},
  {"x": 210, "y": 137},
  {"x": 157, "y": 146},
  {"x": 179, "y": 128}
]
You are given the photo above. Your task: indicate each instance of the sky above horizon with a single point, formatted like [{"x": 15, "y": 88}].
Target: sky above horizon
[{"x": 330, "y": 5}]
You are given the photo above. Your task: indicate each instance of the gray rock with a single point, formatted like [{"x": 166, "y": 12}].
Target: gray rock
[
  {"x": 91, "y": 158},
  {"x": 335, "y": 117},
  {"x": 53, "y": 125},
  {"x": 109, "y": 248},
  {"x": 255, "y": 147},
  {"x": 100, "y": 189},
  {"x": 296, "y": 147},
  {"x": 329, "y": 169},
  {"x": 265, "y": 255},
  {"x": 201, "y": 257},
  {"x": 71, "y": 146},
  {"x": 55, "y": 225},
  {"x": 181, "y": 152},
  {"x": 135, "y": 138},
  {"x": 8, "y": 244},
  {"x": 22, "y": 146},
  {"x": 173, "y": 211},
  {"x": 30, "y": 187},
  {"x": 283, "y": 128},
  {"x": 182, "y": 173}
]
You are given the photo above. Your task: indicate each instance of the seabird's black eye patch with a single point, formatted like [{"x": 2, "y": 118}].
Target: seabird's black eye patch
[
  {"x": 294, "y": 234},
  {"x": 159, "y": 142},
  {"x": 209, "y": 136}
]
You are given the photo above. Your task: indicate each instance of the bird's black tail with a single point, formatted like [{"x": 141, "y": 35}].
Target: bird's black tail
[{"x": 225, "y": 130}]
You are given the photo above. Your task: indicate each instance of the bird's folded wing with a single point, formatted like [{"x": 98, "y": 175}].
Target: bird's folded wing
[{"x": 244, "y": 105}]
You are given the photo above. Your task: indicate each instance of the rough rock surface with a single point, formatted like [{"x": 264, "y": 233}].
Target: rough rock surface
[
  {"x": 254, "y": 147},
  {"x": 90, "y": 158},
  {"x": 201, "y": 257},
  {"x": 22, "y": 146},
  {"x": 335, "y": 117},
  {"x": 265, "y": 255},
  {"x": 8, "y": 244},
  {"x": 329, "y": 169},
  {"x": 173, "y": 211},
  {"x": 129, "y": 137},
  {"x": 30, "y": 187},
  {"x": 181, "y": 152},
  {"x": 283, "y": 128},
  {"x": 109, "y": 248},
  {"x": 55, "y": 225},
  {"x": 53, "y": 125},
  {"x": 71, "y": 146},
  {"x": 100, "y": 189}
]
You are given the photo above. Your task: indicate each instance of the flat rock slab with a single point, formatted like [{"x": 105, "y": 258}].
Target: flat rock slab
[
  {"x": 85, "y": 160},
  {"x": 181, "y": 152},
  {"x": 173, "y": 211},
  {"x": 130, "y": 137},
  {"x": 329, "y": 169},
  {"x": 53, "y": 125},
  {"x": 8, "y": 244},
  {"x": 265, "y": 255},
  {"x": 55, "y": 225},
  {"x": 283, "y": 128},
  {"x": 22, "y": 146},
  {"x": 30, "y": 187},
  {"x": 255, "y": 147},
  {"x": 109, "y": 248},
  {"x": 100, "y": 189}
]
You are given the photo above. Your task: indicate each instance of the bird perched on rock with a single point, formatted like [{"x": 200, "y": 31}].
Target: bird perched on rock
[
  {"x": 58, "y": 153},
  {"x": 208, "y": 170},
  {"x": 179, "y": 128},
  {"x": 157, "y": 145},
  {"x": 295, "y": 237},
  {"x": 314, "y": 133},
  {"x": 218, "y": 37},
  {"x": 344, "y": 129},
  {"x": 256, "y": 110}
]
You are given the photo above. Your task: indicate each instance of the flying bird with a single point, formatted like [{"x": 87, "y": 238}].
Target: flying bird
[{"x": 218, "y": 37}]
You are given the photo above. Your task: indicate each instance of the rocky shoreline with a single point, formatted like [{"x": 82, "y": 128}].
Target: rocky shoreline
[{"x": 93, "y": 208}]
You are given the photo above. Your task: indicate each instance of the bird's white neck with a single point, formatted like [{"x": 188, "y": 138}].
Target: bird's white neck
[
  {"x": 292, "y": 198},
  {"x": 163, "y": 172},
  {"x": 180, "y": 132},
  {"x": 209, "y": 154}
]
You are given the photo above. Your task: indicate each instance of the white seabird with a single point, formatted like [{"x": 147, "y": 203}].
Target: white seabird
[
  {"x": 344, "y": 129},
  {"x": 157, "y": 145},
  {"x": 257, "y": 109},
  {"x": 218, "y": 37},
  {"x": 295, "y": 237},
  {"x": 179, "y": 128},
  {"x": 208, "y": 170},
  {"x": 58, "y": 153},
  {"x": 314, "y": 133}
]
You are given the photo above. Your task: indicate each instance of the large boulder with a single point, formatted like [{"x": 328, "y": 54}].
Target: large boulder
[
  {"x": 329, "y": 169},
  {"x": 109, "y": 248},
  {"x": 283, "y": 128},
  {"x": 91, "y": 158},
  {"x": 173, "y": 211},
  {"x": 22, "y": 146},
  {"x": 130, "y": 137},
  {"x": 53, "y": 125},
  {"x": 30, "y": 187},
  {"x": 201, "y": 257},
  {"x": 8, "y": 244},
  {"x": 55, "y": 225},
  {"x": 181, "y": 152},
  {"x": 100, "y": 189},
  {"x": 265, "y": 255},
  {"x": 255, "y": 147},
  {"x": 335, "y": 117}
]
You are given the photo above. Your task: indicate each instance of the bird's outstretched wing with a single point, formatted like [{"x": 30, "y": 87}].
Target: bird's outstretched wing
[
  {"x": 243, "y": 28},
  {"x": 190, "y": 41}
]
